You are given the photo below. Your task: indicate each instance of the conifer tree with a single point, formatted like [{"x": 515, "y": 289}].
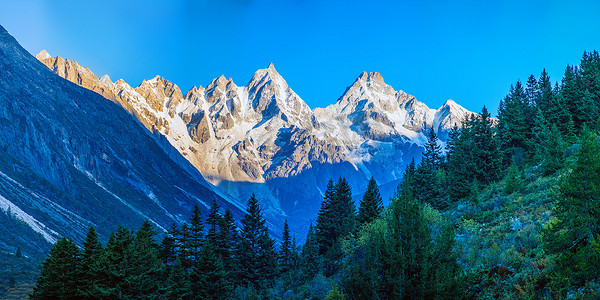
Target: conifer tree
[
  {"x": 553, "y": 150},
  {"x": 213, "y": 219},
  {"x": 59, "y": 275},
  {"x": 228, "y": 237},
  {"x": 168, "y": 247},
  {"x": 185, "y": 246},
  {"x": 544, "y": 101},
  {"x": 196, "y": 233},
  {"x": 325, "y": 231},
  {"x": 393, "y": 258},
  {"x": 513, "y": 126},
  {"x": 145, "y": 266},
  {"x": 178, "y": 285},
  {"x": 286, "y": 252},
  {"x": 118, "y": 263},
  {"x": 371, "y": 204},
  {"x": 91, "y": 259},
  {"x": 347, "y": 211},
  {"x": 310, "y": 261},
  {"x": 575, "y": 234},
  {"x": 486, "y": 150},
  {"x": 450, "y": 144},
  {"x": 249, "y": 261},
  {"x": 209, "y": 278},
  {"x": 444, "y": 266},
  {"x": 267, "y": 260},
  {"x": 433, "y": 151}
]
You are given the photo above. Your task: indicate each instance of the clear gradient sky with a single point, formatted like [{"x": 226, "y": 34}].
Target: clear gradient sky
[{"x": 469, "y": 51}]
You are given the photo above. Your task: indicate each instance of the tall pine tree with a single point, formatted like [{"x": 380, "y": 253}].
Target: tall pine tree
[{"x": 371, "y": 204}]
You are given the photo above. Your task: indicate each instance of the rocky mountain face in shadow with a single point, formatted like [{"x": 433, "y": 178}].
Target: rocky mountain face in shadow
[{"x": 70, "y": 158}]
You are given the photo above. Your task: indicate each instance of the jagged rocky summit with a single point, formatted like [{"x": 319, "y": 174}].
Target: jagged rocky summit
[{"x": 263, "y": 138}]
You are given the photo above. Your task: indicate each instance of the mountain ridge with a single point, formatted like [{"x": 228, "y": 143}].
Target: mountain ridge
[{"x": 261, "y": 137}]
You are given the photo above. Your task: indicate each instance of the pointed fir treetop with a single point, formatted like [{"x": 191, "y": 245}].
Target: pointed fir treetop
[{"x": 371, "y": 204}]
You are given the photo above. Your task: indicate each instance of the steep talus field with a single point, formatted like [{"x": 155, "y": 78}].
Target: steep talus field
[
  {"x": 262, "y": 138},
  {"x": 70, "y": 158}
]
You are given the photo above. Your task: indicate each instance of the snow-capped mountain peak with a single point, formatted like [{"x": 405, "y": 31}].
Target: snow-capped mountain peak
[{"x": 260, "y": 137}]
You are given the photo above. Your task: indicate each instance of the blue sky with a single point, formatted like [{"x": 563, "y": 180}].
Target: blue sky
[{"x": 469, "y": 51}]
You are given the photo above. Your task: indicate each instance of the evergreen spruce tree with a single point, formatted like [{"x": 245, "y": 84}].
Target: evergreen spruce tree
[
  {"x": 185, "y": 246},
  {"x": 575, "y": 234},
  {"x": 371, "y": 204},
  {"x": 178, "y": 285},
  {"x": 59, "y": 276},
  {"x": 553, "y": 150},
  {"x": 445, "y": 270},
  {"x": 286, "y": 251},
  {"x": 572, "y": 93},
  {"x": 393, "y": 258},
  {"x": 228, "y": 237},
  {"x": 453, "y": 135},
  {"x": 196, "y": 233},
  {"x": 513, "y": 126},
  {"x": 310, "y": 260},
  {"x": 168, "y": 247},
  {"x": 209, "y": 278},
  {"x": 117, "y": 265},
  {"x": 213, "y": 219},
  {"x": 544, "y": 102},
  {"x": 347, "y": 211},
  {"x": 91, "y": 260},
  {"x": 248, "y": 253},
  {"x": 487, "y": 155},
  {"x": 145, "y": 267},
  {"x": 267, "y": 260},
  {"x": 325, "y": 231},
  {"x": 432, "y": 156}
]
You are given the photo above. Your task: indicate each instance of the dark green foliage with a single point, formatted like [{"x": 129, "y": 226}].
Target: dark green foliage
[
  {"x": 476, "y": 156},
  {"x": 91, "y": 264},
  {"x": 395, "y": 257},
  {"x": 59, "y": 277},
  {"x": 178, "y": 285},
  {"x": 286, "y": 251},
  {"x": 513, "y": 180},
  {"x": 117, "y": 263},
  {"x": 445, "y": 271},
  {"x": 213, "y": 219},
  {"x": 145, "y": 266},
  {"x": 336, "y": 220},
  {"x": 310, "y": 261},
  {"x": 168, "y": 247},
  {"x": 371, "y": 204},
  {"x": 209, "y": 278},
  {"x": 576, "y": 232},
  {"x": 513, "y": 126},
  {"x": 553, "y": 150},
  {"x": 426, "y": 186},
  {"x": 432, "y": 156},
  {"x": 267, "y": 260},
  {"x": 255, "y": 253},
  {"x": 227, "y": 240},
  {"x": 196, "y": 238}
]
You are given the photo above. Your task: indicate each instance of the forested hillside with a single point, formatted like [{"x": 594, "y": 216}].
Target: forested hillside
[{"x": 510, "y": 210}]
